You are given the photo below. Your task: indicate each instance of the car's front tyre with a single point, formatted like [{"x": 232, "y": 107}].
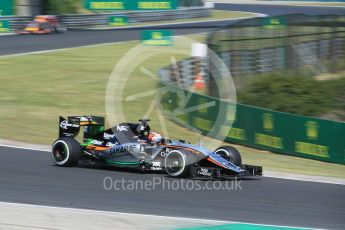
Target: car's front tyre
[
  {"x": 230, "y": 153},
  {"x": 177, "y": 164},
  {"x": 66, "y": 152}
]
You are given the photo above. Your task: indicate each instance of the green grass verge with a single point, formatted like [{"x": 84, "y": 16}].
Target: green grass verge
[
  {"x": 308, "y": 3},
  {"x": 35, "y": 89},
  {"x": 215, "y": 15},
  {"x": 327, "y": 4}
]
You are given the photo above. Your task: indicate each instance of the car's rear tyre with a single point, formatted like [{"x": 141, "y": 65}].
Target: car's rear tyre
[
  {"x": 66, "y": 152},
  {"x": 230, "y": 153},
  {"x": 60, "y": 29},
  {"x": 177, "y": 164}
]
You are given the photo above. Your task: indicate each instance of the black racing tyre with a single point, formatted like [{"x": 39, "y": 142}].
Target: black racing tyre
[
  {"x": 178, "y": 164},
  {"x": 60, "y": 29},
  {"x": 230, "y": 153},
  {"x": 66, "y": 152}
]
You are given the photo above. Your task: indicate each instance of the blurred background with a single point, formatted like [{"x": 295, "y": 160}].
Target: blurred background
[{"x": 264, "y": 76}]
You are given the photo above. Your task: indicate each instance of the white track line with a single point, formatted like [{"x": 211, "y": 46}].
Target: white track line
[
  {"x": 25, "y": 148},
  {"x": 298, "y": 177},
  {"x": 111, "y": 212},
  {"x": 128, "y": 215},
  {"x": 60, "y": 49},
  {"x": 6, "y": 34}
]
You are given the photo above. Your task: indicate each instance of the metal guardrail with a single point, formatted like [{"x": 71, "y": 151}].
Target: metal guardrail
[
  {"x": 17, "y": 22},
  {"x": 87, "y": 20},
  {"x": 135, "y": 16}
]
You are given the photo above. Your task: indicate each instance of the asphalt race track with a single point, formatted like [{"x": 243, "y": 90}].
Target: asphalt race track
[
  {"x": 14, "y": 44},
  {"x": 29, "y": 177}
]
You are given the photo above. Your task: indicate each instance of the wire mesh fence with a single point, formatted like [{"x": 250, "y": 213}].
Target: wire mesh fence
[{"x": 297, "y": 44}]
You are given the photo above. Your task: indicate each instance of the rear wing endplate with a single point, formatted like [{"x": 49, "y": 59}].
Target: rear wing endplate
[{"x": 70, "y": 127}]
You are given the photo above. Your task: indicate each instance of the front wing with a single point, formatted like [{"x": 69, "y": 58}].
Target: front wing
[{"x": 216, "y": 173}]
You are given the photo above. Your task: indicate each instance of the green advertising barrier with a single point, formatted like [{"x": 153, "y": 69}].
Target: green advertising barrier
[
  {"x": 285, "y": 133},
  {"x": 274, "y": 23},
  {"x": 156, "y": 37},
  {"x": 4, "y": 26},
  {"x": 130, "y": 4},
  {"x": 118, "y": 21},
  {"x": 5, "y": 7}
]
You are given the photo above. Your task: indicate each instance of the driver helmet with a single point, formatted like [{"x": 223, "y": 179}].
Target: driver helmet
[{"x": 154, "y": 137}]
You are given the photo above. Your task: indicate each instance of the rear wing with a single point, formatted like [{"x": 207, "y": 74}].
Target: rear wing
[{"x": 70, "y": 127}]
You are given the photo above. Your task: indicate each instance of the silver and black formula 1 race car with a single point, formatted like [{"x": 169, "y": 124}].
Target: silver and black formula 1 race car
[{"x": 136, "y": 146}]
